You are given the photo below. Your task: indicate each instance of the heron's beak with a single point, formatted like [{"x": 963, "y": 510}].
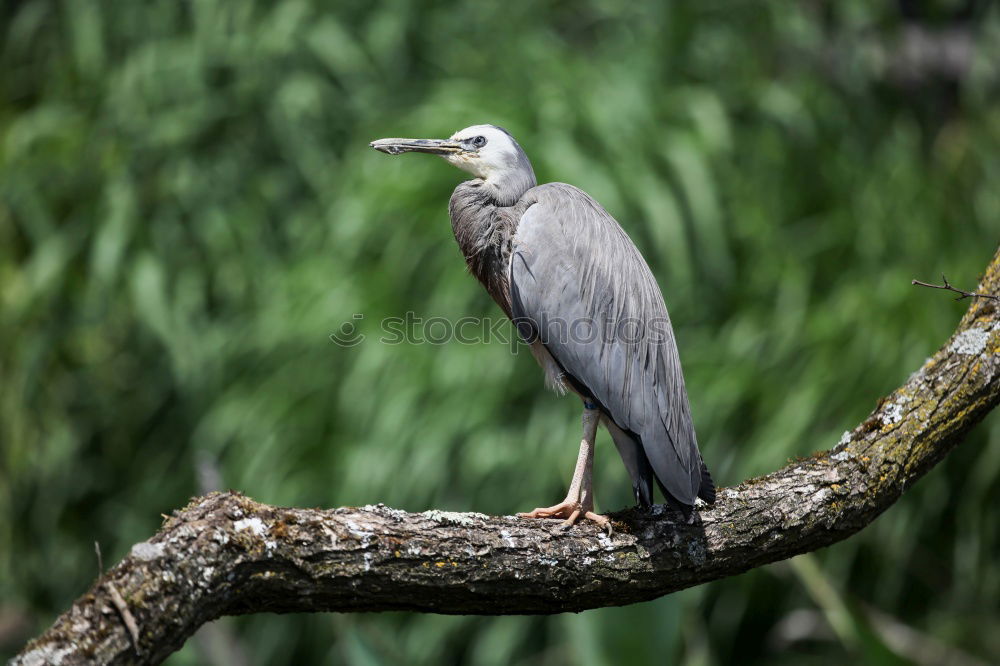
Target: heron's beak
[{"x": 432, "y": 146}]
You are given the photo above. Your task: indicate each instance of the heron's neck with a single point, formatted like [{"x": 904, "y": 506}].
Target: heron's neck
[
  {"x": 484, "y": 226},
  {"x": 508, "y": 187}
]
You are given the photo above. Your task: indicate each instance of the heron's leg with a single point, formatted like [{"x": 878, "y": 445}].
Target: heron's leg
[{"x": 580, "y": 497}]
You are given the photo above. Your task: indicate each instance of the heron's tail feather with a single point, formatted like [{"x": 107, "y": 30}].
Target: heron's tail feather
[{"x": 707, "y": 490}]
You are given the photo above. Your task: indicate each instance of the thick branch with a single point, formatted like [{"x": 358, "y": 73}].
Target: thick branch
[{"x": 226, "y": 554}]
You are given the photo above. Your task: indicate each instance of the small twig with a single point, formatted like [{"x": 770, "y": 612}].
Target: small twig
[
  {"x": 100, "y": 562},
  {"x": 127, "y": 618},
  {"x": 962, "y": 294}
]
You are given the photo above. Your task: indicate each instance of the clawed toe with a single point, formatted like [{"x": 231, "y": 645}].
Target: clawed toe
[
  {"x": 601, "y": 521},
  {"x": 570, "y": 512},
  {"x": 569, "y": 522},
  {"x": 561, "y": 510}
]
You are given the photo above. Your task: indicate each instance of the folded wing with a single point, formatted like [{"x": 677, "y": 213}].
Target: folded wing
[{"x": 580, "y": 285}]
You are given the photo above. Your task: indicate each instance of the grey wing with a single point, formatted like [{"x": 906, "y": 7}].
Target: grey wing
[{"x": 580, "y": 285}]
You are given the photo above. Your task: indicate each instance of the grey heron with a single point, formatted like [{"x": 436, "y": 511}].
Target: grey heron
[{"x": 582, "y": 296}]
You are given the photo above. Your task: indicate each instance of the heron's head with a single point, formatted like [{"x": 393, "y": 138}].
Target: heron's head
[{"x": 486, "y": 151}]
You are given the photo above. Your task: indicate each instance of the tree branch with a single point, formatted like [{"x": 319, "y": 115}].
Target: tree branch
[
  {"x": 962, "y": 294},
  {"x": 225, "y": 554}
]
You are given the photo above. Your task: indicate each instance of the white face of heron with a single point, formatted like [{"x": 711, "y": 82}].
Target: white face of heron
[{"x": 489, "y": 152}]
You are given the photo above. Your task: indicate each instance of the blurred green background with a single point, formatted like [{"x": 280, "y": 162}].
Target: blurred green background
[{"x": 189, "y": 208}]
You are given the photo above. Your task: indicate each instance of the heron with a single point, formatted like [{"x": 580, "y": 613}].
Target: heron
[{"x": 583, "y": 298}]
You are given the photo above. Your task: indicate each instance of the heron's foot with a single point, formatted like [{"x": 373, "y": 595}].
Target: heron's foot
[{"x": 571, "y": 512}]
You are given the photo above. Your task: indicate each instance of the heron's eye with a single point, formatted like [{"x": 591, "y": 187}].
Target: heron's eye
[{"x": 479, "y": 141}]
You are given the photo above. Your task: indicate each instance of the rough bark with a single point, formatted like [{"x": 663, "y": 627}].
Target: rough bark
[{"x": 225, "y": 554}]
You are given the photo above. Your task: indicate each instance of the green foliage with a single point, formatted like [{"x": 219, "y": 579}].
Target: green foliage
[{"x": 189, "y": 208}]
